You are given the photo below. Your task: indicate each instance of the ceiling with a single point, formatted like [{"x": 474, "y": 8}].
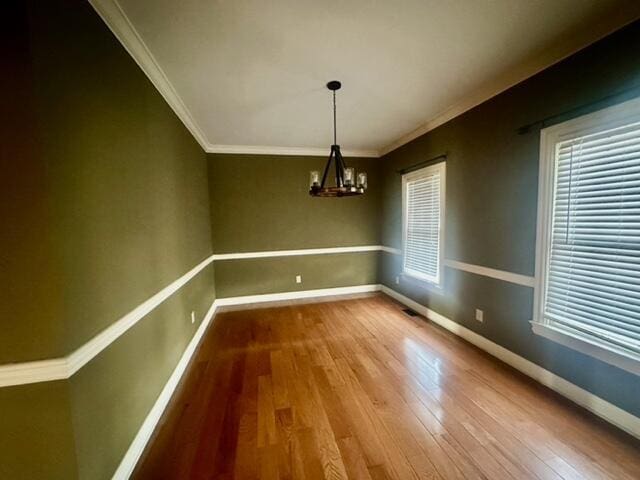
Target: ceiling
[{"x": 250, "y": 75}]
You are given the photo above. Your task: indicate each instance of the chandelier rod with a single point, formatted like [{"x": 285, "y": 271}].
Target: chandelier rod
[{"x": 335, "y": 141}]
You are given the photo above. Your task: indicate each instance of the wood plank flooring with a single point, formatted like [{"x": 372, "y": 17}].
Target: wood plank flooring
[{"x": 357, "y": 389}]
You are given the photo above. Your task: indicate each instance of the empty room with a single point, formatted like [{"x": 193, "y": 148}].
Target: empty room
[{"x": 294, "y": 239}]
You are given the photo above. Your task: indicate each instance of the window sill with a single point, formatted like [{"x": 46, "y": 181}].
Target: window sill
[{"x": 589, "y": 346}]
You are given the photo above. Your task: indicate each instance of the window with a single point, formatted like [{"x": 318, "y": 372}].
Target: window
[
  {"x": 588, "y": 266},
  {"x": 423, "y": 211}
]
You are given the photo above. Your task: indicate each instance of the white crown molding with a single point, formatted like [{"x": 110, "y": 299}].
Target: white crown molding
[
  {"x": 524, "y": 280},
  {"x": 294, "y": 253},
  {"x": 137, "y": 446},
  {"x": 600, "y": 407},
  {"x": 293, "y": 151},
  {"x": 503, "y": 82},
  {"x": 113, "y": 15},
  {"x": 116, "y": 19}
]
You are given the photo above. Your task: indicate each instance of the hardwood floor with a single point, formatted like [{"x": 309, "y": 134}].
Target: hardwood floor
[{"x": 357, "y": 389}]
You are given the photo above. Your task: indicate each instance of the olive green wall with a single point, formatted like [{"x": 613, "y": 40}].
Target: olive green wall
[
  {"x": 104, "y": 203},
  {"x": 273, "y": 275},
  {"x": 103, "y": 183},
  {"x": 106, "y": 199},
  {"x": 36, "y": 435},
  {"x": 113, "y": 394},
  {"x": 261, "y": 203},
  {"x": 491, "y": 202},
  {"x": 27, "y": 222}
]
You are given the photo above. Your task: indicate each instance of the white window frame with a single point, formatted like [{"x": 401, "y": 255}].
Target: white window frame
[
  {"x": 415, "y": 175},
  {"x": 605, "y": 119}
]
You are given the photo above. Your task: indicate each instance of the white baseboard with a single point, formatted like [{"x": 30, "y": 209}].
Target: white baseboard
[
  {"x": 605, "y": 410},
  {"x": 274, "y": 297},
  {"x": 130, "y": 459},
  {"x": 139, "y": 443},
  {"x": 609, "y": 412}
]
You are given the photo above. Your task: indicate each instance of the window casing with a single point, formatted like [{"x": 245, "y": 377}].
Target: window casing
[
  {"x": 423, "y": 195},
  {"x": 588, "y": 248}
]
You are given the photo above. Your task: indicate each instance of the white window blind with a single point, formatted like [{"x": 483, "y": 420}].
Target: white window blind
[
  {"x": 424, "y": 206},
  {"x": 593, "y": 273}
]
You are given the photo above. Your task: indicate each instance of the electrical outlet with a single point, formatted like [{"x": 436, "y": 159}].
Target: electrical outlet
[
  {"x": 397, "y": 280},
  {"x": 298, "y": 278},
  {"x": 193, "y": 317},
  {"x": 479, "y": 315}
]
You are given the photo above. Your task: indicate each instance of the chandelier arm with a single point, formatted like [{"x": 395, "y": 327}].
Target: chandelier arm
[
  {"x": 326, "y": 168},
  {"x": 339, "y": 168},
  {"x": 343, "y": 165}
]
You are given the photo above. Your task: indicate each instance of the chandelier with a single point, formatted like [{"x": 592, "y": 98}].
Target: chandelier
[{"x": 347, "y": 183}]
